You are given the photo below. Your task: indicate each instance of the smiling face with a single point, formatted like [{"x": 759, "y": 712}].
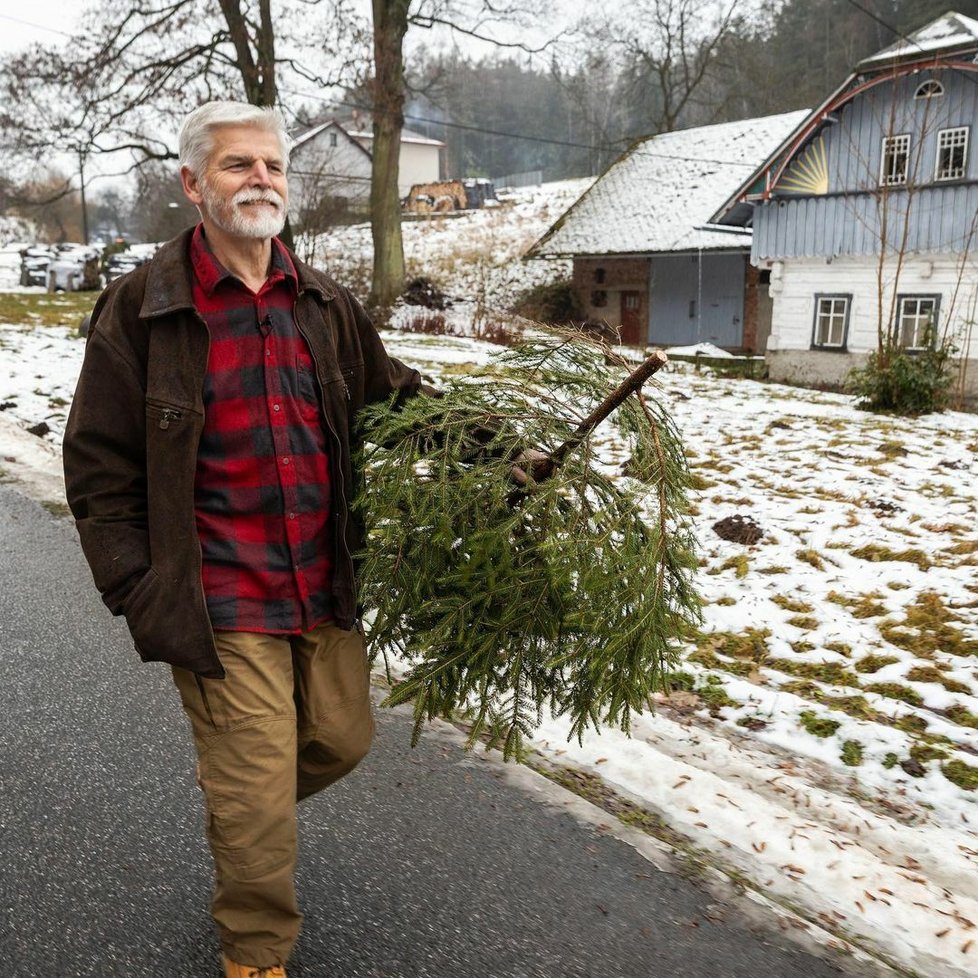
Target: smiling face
[{"x": 243, "y": 189}]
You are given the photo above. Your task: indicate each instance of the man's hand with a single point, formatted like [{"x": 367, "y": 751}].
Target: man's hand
[{"x": 531, "y": 463}]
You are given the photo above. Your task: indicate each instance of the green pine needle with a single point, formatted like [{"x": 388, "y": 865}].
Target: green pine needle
[{"x": 568, "y": 594}]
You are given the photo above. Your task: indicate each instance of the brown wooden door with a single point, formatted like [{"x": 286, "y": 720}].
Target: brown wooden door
[{"x": 631, "y": 321}]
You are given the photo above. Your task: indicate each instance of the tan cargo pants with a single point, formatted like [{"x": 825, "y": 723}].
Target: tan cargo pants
[{"x": 291, "y": 717}]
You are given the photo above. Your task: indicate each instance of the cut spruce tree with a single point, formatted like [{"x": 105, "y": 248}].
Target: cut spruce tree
[{"x": 510, "y": 582}]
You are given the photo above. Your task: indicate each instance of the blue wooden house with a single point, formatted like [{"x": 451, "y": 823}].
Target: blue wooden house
[
  {"x": 866, "y": 216},
  {"x": 646, "y": 264}
]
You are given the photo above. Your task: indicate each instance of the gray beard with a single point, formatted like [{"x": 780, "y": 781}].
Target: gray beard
[{"x": 231, "y": 218}]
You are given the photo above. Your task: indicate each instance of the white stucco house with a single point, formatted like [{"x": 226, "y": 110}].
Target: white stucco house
[{"x": 329, "y": 169}]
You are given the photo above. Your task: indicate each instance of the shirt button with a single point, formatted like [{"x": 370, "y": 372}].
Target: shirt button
[
  {"x": 285, "y": 461},
  {"x": 291, "y": 516},
  {"x": 276, "y": 407}
]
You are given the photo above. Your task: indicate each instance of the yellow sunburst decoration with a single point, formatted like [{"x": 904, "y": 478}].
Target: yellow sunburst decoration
[{"x": 809, "y": 173}]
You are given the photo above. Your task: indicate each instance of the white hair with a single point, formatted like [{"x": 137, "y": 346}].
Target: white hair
[{"x": 197, "y": 136}]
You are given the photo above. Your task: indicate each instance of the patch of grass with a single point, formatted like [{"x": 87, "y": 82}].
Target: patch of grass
[
  {"x": 852, "y": 753},
  {"x": 897, "y": 585},
  {"x": 58, "y": 509},
  {"x": 873, "y": 663},
  {"x": 861, "y": 606},
  {"x": 46, "y": 309},
  {"x": 965, "y": 547},
  {"x": 679, "y": 680},
  {"x": 812, "y": 557},
  {"x": 714, "y": 695},
  {"x": 922, "y": 753},
  {"x": 833, "y": 673},
  {"x": 896, "y": 691},
  {"x": 931, "y": 674},
  {"x": 726, "y": 601},
  {"x": 774, "y": 569},
  {"x": 806, "y": 622},
  {"x": 961, "y": 715},
  {"x": 928, "y": 628},
  {"x": 963, "y": 775},
  {"x": 740, "y": 564},
  {"x": 789, "y": 604},
  {"x": 874, "y": 553},
  {"x": 891, "y": 760},
  {"x": 700, "y": 483},
  {"x": 892, "y": 449},
  {"x": 818, "y": 726},
  {"x": 802, "y": 647},
  {"x": 855, "y": 706},
  {"x": 911, "y": 723},
  {"x": 839, "y": 647}
]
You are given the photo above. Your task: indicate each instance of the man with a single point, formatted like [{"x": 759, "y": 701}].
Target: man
[{"x": 207, "y": 464}]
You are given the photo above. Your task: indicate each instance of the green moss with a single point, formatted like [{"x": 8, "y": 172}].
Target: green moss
[
  {"x": 679, "y": 680},
  {"x": 875, "y": 553},
  {"x": 852, "y": 753},
  {"x": 960, "y": 714},
  {"x": 895, "y": 691},
  {"x": 789, "y": 604},
  {"x": 891, "y": 760},
  {"x": 827, "y": 672},
  {"x": 963, "y": 775},
  {"x": 818, "y": 726},
  {"x": 928, "y": 627},
  {"x": 931, "y": 674},
  {"x": 714, "y": 695},
  {"x": 855, "y": 706},
  {"x": 927, "y": 752},
  {"x": 910, "y": 723}
]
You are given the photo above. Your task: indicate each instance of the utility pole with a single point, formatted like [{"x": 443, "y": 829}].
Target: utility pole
[{"x": 84, "y": 207}]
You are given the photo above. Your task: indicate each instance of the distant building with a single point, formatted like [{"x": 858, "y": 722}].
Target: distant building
[
  {"x": 646, "y": 260},
  {"x": 865, "y": 216},
  {"x": 329, "y": 169}
]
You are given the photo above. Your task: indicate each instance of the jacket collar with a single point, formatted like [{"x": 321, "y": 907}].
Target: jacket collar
[{"x": 169, "y": 279}]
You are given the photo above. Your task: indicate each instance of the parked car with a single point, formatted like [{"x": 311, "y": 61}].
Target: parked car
[
  {"x": 125, "y": 261},
  {"x": 34, "y": 263}
]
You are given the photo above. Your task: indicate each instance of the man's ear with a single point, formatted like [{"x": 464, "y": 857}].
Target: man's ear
[{"x": 191, "y": 185}]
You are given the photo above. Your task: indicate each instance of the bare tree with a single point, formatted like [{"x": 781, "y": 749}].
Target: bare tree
[
  {"x": 667, "y": 47},
  {"x": 478, "y": 19}
]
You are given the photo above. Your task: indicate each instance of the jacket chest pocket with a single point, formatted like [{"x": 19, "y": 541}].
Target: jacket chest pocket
[{"x": 168, "y": 423}]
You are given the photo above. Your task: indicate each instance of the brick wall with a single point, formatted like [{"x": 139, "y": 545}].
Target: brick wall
[{"x": 612, "y": 276}]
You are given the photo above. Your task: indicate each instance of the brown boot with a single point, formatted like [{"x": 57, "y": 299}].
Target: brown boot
[{"x": 234, "y": 970}]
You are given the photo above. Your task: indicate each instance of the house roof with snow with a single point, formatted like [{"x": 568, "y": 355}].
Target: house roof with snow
[
  {"x": 945, "y": 40},
  {"x": 659, "y": 195},
  {"x": 358, "y": 133},
  {"x": 942, "y": 36},
  {"x": 310, "y": 134}
]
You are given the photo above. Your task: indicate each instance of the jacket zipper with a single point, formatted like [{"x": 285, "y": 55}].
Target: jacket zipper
[{"x": 168, "y": 415}]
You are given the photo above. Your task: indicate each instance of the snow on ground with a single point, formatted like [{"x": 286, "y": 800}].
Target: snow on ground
[{"x": 822, "y": 740}]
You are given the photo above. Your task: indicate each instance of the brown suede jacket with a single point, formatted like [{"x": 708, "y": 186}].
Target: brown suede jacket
[{"x": 130, "y": 446}]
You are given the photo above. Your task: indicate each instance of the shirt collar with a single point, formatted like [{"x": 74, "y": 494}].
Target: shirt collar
[{"x": 210, "y": 273}]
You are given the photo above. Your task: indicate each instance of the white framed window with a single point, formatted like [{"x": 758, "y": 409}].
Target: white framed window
[
  {"x": 952, "y": 153},
  {"x": 896, "y": 159},
  {"x": 916, "y": 325},
  {"x": 332, "y": 139},
  {"x": 831, "y": 322},
  {"x": 929, "y": 89}
]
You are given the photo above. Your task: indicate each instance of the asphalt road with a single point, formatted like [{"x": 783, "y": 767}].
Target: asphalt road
[{"x": 425, "y": 863}]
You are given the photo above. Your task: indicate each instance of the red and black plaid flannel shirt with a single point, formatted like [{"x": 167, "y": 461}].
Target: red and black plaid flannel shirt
[{"x": 262, "y": 490}]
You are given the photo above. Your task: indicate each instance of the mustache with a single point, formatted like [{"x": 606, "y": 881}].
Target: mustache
[{"x": 257, "y": 197}]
